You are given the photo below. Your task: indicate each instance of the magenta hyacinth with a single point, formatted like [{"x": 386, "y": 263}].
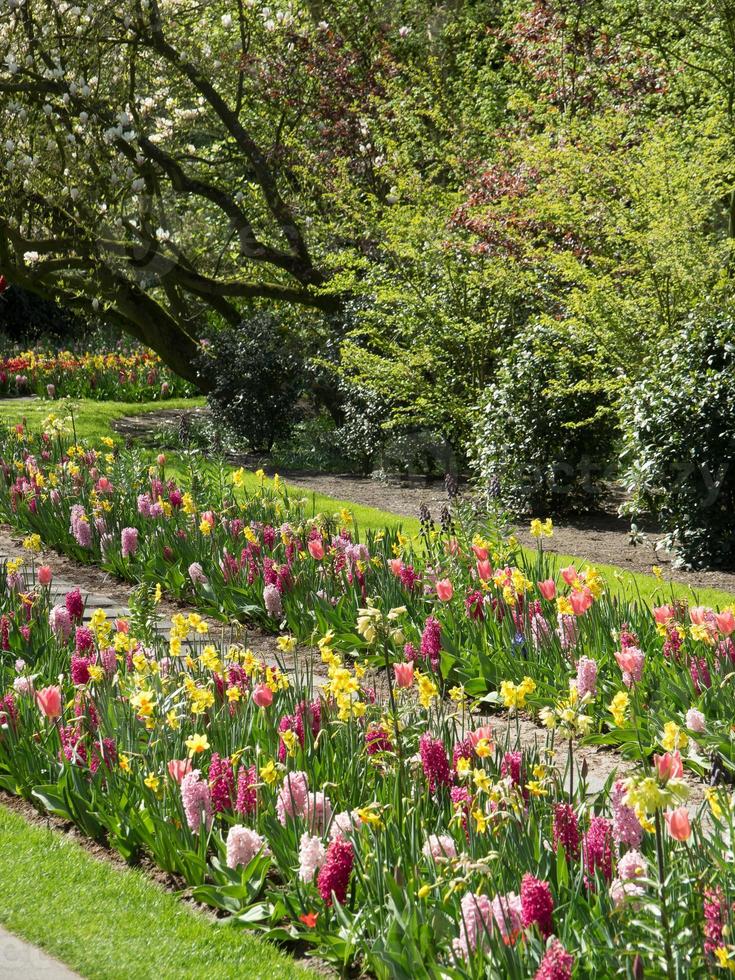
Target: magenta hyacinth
[
  {"x": 566, "y": 830},
  {"x": 221, "y": 783},
  {"x": 435, "y": 762},
  {"x": 75, "y": 605},
  {"x": 537, "y": 905},
  {"x": 431, "y": 641},
  {"x": 334, "y": 876},
  {"x": 597, "y": 850},
  {"x": 247, "y": 793},
  {"x": 557, "y": 963}
]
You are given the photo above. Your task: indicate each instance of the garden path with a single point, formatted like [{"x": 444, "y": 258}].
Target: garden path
[{"x": 20, "y": 960}]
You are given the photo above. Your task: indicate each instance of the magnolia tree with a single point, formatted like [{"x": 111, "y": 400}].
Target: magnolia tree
[{"x": 166, "y": 160}]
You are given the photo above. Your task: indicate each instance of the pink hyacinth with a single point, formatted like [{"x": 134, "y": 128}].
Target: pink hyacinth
[
  {"x": 632, "y": 865},
  {"x": 272, "y": 601},
  {"x": 566, "y": 830},
  {"x": 344, "y": 824},
  {"x": 196, "y": 574},
  {"x": 626, "y": 828},
  {"x": 695, "y": 721},
  {"x": 129, "y": 541},
  {"x": 247, "y": 793},
  {"x": 586, "y": 676},
  {"x": 197, "y": 801},
  {"x": 60, "y": 622},
  {"x": 557, "y": 963},
  {"x": 242, "y": 846},
  {"x": 475, "y": 925},
  {"x": 292, "y": 795},
  {"x": 144, "y": 505},
  {"x": 597, "y": 850},
  {"x": 435, "y": 762},
  {"x": 318, "y": 812},
  {"x": 508, "y": 916},
  {"x": 79, "y": 526},
  {"x": 567, "y": 631},
  {"x": 312, "y": 855},
  {"x": 438, "y": 847},
  {"x": 334, "y": 876},
  {"x": 537, "y": 905}
]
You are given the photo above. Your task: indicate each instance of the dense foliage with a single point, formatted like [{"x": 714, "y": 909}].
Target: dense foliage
[
  {"x": 427, "y": 183},
  {"x": 681, "y": 441}
]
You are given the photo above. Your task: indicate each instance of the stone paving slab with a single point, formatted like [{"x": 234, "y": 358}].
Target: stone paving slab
[{"x": 20, "y": 960}]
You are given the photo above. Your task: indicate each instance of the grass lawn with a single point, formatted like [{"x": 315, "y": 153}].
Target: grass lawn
[
  {"x": 93, "y": 419},
  {"x": 110, "y": 922}
]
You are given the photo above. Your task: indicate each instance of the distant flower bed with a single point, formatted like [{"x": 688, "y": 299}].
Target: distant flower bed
[{"x": 136, "y": 376}]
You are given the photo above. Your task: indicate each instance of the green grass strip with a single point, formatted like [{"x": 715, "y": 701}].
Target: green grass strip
[
  {"x": 93, "y": 418},
  {"x": 108, "y": 922}
]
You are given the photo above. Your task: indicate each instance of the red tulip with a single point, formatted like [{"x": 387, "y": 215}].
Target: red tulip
[
  {"x": 484, "y": 570},
  {"x": 480, "y": 553}
]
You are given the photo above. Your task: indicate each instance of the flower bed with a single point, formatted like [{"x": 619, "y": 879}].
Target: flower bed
[
  {"x": 475, "y": 613},
  {"x": 131, "y": 376},
  {"x": 392, "y": 833}
]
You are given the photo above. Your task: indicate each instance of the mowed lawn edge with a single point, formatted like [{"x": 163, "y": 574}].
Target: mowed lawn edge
[
  {"x": 93, "y": 421},
  {"x": 109, "y": 922}
]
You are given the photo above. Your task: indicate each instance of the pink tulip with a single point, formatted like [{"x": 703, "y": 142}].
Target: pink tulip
[
  {"x": 178, "y": 768},
  {"x": 662, "y": 614},
  {"x": 699, "y": 615},
  {"x": 404, "y": 674},
  {"x": 569, "y": 574},
  {"x": 45, "y": 575},
  {"x": 262, "y": 695},
  {"x": 161, "y": 459},
  {"x": 581, "y": 600},
  {"x": 103, "y": 484},
  {"x": 48, "y": 700},
  {"x": 725, "y": 622},
  {"x": 444, "y": 589},
  {"x": 669, "y": 766},
  {"x": 547, "y": 588},
  {"x": 484, "y": 570},
  {"x": 630, "y": 660},
  {"x": 678, "y": 823},
  {"x": 480, "y": 553},
  {"x": 484, "y": 731},
  {"x": 316, "y": 548},
  {"x": 452, "y": 547},
  {"x": 396, "y": 566}
]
